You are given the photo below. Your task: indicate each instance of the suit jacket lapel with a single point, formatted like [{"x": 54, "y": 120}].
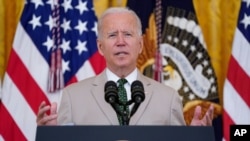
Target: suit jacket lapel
[
  {"x": 148, "y": 93},
  {"x": 98, "y": 93}
]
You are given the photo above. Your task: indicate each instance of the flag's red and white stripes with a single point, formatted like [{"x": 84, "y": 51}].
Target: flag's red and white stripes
[
  {"x": 20, "y": 87},
  {"x": 25, "y": 86},
  {"x": 237, "y": 85}
]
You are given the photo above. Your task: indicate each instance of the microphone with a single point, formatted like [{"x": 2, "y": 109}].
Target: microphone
[
  {"x": 111, "y": 96},
  {"x": 111, "y": 90},
  {"x": 137, "y": 95},
  {"x": 137, "y": 92}
]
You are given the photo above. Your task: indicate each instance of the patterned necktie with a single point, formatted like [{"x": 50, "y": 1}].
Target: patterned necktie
[{"x": 122, "y": 98}]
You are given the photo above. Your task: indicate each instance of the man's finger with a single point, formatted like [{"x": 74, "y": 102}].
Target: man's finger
[
  {"x": 53, "y": 108},
  {"x": 46, "y": 119},
  {"x": 210, "y": 115},
  {"x": 197, "y": 112},
  {"x": 42, "y": 111},
  {"x": 211, "y": 111}
]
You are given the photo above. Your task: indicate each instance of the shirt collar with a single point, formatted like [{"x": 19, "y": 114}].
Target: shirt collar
[{"x": 130, "y": 78}]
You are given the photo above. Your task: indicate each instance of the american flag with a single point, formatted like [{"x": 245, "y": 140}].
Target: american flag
[
  {"x": 52, "y": 36},
  {"x": 237, "y": 85}
]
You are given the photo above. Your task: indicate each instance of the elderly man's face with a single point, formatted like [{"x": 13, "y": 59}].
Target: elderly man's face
[{"x": 120, "y": 42}]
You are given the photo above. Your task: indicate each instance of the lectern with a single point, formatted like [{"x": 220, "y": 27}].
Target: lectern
[{"x": 125, "y": 133}]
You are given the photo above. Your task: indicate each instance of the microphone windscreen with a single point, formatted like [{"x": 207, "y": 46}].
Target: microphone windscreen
[
  {"x": 137, "y": 91},
  {"x": 111, "y": 90}
]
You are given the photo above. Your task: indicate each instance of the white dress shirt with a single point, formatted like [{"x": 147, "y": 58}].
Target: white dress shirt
[{"x": 130, "y": 78}]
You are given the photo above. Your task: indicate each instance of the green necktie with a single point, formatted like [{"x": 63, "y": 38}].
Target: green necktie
[{"x": 122, "y": 98}]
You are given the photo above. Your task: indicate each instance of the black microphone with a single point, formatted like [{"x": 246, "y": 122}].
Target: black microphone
[
  {"x": 137, "y": 95},
  {"x": 137, "y": 92},
  {"x": 111, "y": 96}
]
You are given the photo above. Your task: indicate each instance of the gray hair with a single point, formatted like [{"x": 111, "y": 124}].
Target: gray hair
[{"x": 118, "y": 10}]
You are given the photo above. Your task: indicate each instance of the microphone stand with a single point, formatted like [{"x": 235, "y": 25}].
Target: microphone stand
[
  {"x": 134, "y": 109},
  {"x": 127, "y": 115}
]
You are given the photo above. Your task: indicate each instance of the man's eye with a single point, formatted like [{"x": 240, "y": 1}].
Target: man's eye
[
  {"x": 111, "y": 35},
  {"x": 127, "y": 34}
]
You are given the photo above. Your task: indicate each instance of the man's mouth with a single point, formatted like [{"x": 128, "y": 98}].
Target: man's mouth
[{"x": 121, "y": 53}]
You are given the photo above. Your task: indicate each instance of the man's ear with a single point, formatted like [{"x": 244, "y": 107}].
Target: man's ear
[
  {"x": 99, "y": 46},
  {"x": 141, "y": 45}
]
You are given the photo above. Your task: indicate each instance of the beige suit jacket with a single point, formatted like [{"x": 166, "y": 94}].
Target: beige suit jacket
[{"x": 83, "y": 103}]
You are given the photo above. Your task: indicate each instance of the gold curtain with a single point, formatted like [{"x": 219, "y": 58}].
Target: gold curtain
[
  {"x": 218, "y": 19},
  {"x": 102, "y": 5},
  {"x": 9, "y": 16},
  {"x": 2, "y": 49}
]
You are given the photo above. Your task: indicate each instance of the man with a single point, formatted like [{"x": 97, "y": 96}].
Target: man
[{"x": 120, "y": 42}]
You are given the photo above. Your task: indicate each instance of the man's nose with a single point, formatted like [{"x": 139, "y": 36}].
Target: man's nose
[{"x": 120, "y": 39}]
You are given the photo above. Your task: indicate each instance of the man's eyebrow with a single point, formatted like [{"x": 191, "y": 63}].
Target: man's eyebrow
[
  {"x": 112, "y": 32},
  {"x": 123, "y": 31}
]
